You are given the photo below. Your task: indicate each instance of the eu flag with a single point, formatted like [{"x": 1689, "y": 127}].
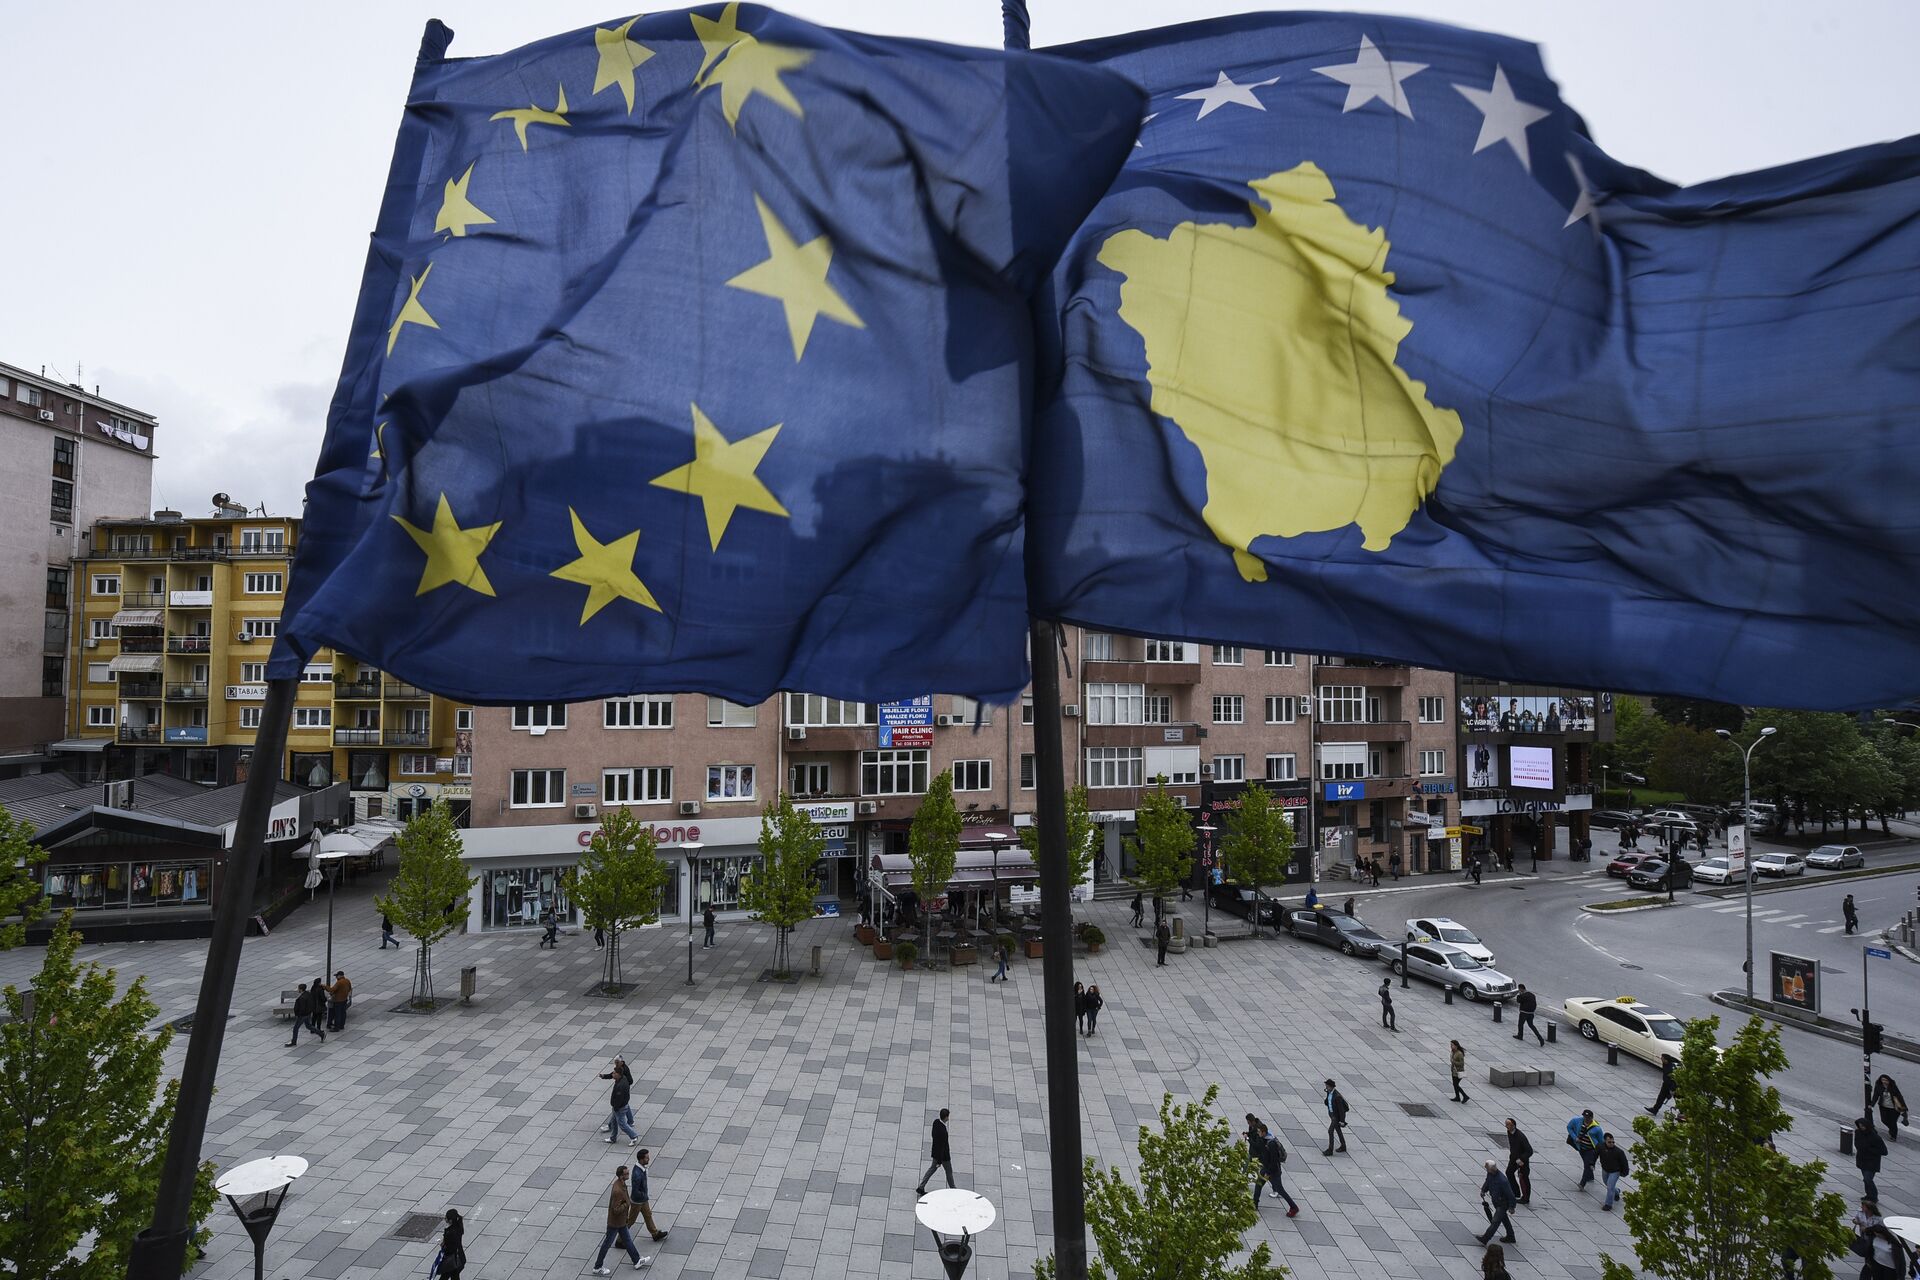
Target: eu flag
[
  {"x": 694, "y": 352},
  {"x": 1371, "y": 349}
]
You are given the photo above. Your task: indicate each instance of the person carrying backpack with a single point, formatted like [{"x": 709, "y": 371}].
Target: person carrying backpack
[{"x": 1272, "y": 1156}]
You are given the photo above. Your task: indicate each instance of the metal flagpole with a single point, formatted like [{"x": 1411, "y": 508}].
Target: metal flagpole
[{"x": 159, "y": 1252}]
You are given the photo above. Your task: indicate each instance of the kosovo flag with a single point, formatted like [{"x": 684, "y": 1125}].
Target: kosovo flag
[
  {"x": 1371, "y": 350},
  {"x": 694, "y": 352}
]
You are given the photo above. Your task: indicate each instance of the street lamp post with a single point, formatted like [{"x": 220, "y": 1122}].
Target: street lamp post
[
  {"x": 1746, "y": 807},
  {"x": 260, "y": 1178},
  {"x": 994, "y": 840},
  {"x": 691, "y": 851},
  {"x": 1206, "y": 830}
]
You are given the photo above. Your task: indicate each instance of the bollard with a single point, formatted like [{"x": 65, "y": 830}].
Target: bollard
[
  {"x": 816, "y": 962},
  {"x": 1846, "y": 1139},
  {"x": 1449, "y": 991},
  {"x": 1553, "y": 1033},
  {"x": 1613, "y": 1055},
  {"x": 1496, "y": 1009}
]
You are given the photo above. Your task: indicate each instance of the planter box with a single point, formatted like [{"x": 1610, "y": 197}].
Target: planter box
[
  {"x": 963, "y": 955},
  {"x": 1093, "y": 948},
  {"x": 882, "y": 949},
  {"x": 1035, "y": 948},
  {"x": 863, "y": 934}
]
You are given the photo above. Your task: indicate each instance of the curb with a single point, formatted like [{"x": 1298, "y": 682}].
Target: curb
[
  {"x": 1892, "y": 1046},
  {"x": 1601, "y": 909}
]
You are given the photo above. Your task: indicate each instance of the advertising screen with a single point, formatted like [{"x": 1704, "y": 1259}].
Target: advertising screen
[
  {"x": 1531, "y": 714},
  {"x": 1531, "y": 767}
]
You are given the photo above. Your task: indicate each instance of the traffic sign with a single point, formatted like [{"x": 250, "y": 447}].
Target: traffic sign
[
  {"x": 1879, "y": 953},
  {"x": 1471, "y": 831}
]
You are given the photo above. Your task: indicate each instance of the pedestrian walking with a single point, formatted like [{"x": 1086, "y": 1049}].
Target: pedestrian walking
[
  {"x": 1393, "y": 865},
  {"x": 1387, "y": 1020},
  {"x": 1139, "y": 911},
  {"x": 706, "y": 922},
  {"x": 1519, "y": 1162},
  {"x": 942, "y": 1154},
  {"x": 1476, "y": 869},
  {"x": 599, "y": 938},
  {"x": 1493, "y": 1263},
  {"x": 1255, "y": 1135},
  {"x": 1666, "y": 1087},
  {"x": 1496, "y": 1201},
  {"x": 1851, "y": 913},
  {"x": 621, "y": 1118},
  {"x": 339, "y": 996},
  {"x": 1003, "y": 951},
  {"x": 1336, "y": 1119},
  {"x": 1528, "y": 1003},
  {"x": 1095, "y": 1003},
  {"x": 453, "y": 1247},
  {"x": 1457, "y": 1067},
  {"x": 621, "y": 1213},
  {"x": 386, "y": 933},
  {"x": 1162, "y": 939},
  {"x": 1080, "y": 1007},
  {"x": 550, "y": 936},
  {"x": 1613, "y": 1167},
  {"x": 1888, "y": 1257},
  {"x": 1272, "y": 1156},
  {"x": 303, "y": 1016},
  {"x": 318, "y": 990},
  {"x": 1893, "y": 1107},
  {"x": 640, "y": 1194},
  {"x": 1585, "y": 1135},
  {"x": 1867, "y": 1152}
]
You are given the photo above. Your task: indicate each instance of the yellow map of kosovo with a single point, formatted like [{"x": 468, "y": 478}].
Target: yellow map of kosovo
[{"x": 1272, "y": 348}]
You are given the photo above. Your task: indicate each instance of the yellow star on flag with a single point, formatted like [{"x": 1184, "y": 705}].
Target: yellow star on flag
[
  {"x": 412, "y": 311},
  {"x": 796, "y": 275},
  {"x": 619, "y": 57},
  {"x": 379, "y": 440},
  {"x": 457, "y": 213},
  {"x": 605, "y": 569},
  {"x": 750, "y": 67},
  {"x": 715, "y": 37},
  {"x": 524, "y": 116},
  {"x": 722, "y": 476},
  {"x": 453, "y": 553}
]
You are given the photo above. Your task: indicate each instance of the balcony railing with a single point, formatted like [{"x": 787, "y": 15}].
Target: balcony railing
[
  {"x": 360, "y": 689},
  {"x": 139, "y": 688},
  {"x": 143, "y": 599},
  {"x": 356, "y": 737},
  {"x": 407, "y": 738},
  {"x": 186, "y": 692},
  {"x": 188, "y": 644},
  {"x": 191, "y": 599},
  {"x": 141, "y": 644},
  {"x": 401, "y": 689},
  {"x": 140, "y": 733}
]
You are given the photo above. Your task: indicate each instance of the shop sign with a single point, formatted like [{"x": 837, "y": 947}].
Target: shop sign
[
  {"x": 915, "y": 715},
  {"x": 1173, "y": 735},
  {"x": 1110, "y": 815},
  {"x": 283, "y": 829},
  {"x": 661, "y": 835},
  {"x": 586, "y": 789},
  {"x": 1424, "y": 819},
  {"x": 905, "y": 737},
  {"x": 1796, "y": 982},
  {"x": 246, "y": 693},
  {"x": 455, "y": 791},
  {"x": 829, "y": 811},
  {"x": 1435, "y": 788},
  {"x": 1346, "y": 790}
]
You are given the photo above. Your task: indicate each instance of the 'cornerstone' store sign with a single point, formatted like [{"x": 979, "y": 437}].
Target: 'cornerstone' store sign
[{"x": 661, "y": 835}]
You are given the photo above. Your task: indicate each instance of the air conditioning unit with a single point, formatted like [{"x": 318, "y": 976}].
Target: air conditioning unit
[
  {"x": 1206, "y": 771},
  {"x": 795, "y": 733},
  {"x": 1199, "y": 731},
  {"x": 583, "y": 811},
  {"x": 869, "y": 806},
  {"x": 243, "y": 637},
  {"x": 93, "y": 642},
  {"x": 689, "y": 808},
  {"x": 949, "y": 720},
  {"x": 1071, "y": 710},
  {"x": 46, "y": 415}
]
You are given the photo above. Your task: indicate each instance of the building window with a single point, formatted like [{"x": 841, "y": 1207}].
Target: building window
[
  {"x": 106, "y": 584},
  {"x": 1099, "y": 646},
  {"x": 539, "y": 788},
  {"x": 970, "y": 711},
  {"x": 1229, "y": 768},
  {"x": 62, "y": 501},
  {"x": 415, "y": 764},
  {"x": 463, "y": 719},
  {"x": 540, "y": 715},
  {"x": 811, "y": 711},
  {"x": 1229, "y": 708},
  {"x": 1229, "y": 655},
  {"x": 63, "y": 449},
  {"x": 264, "y": 584},
  {"x": 253, "y": 673},
  {"x": 1279, "y": 657},
  {"x": 1167, "y": 651},
  {"x": 1026, "y": 771},
  {"x": 1116, "y": 703},
  {"x": 1341, "y": 761},
  {"x": 263, "y": 539},
  {"x": 1343, "y": 704},
  {"x": 312, "y": 673},
  {"x": 729, "y": 781},
  {"x": 973, "y": 775},
  {"x": 311, "y": 769},
  {"x": 1113, "y": 766},
  {"x": 1280, "y": 768},
  {"x": 100, "y": 673},
  {"x": 1026, "y": 709},
  {"x": 812, "y": 779},
  {"x": 250, "y": 717},
  {"x": 1433, "y": 710},
  {"x": 313, "y": 717},
  {"x": 30, "y": 396},
  {"x": 417, "y": 720},
  {"x": 650, "y": 785},
  {"x": 260, "y": 628},
  {"x": 722, "y": 714},
  {"x": 463, "y": 766},
  {"x": 1282, "y": 708},
  {"x": 102, "y": 628},
  {"x": 1432, "y": 763},
  {"x": 1158, "y": 709},
  {"x": 893, "y": 773},
  {"x": 56, "y": 588},
  {"x": 100, "y": 717},
  {"x": 637, "y": 713}
]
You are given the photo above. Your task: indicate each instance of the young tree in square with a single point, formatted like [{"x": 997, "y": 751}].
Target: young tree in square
[
  {"x": 1190, "y": 1213},
  {"x": 617, "y": 884},
  {"x": 21, "y": 901},
  {"x": 1164, "y": 838},
  {"x": 1081, "y": 834},
  {"x": 782, "y": 888},
  {"x": 427, "y": 895},
  {"x": 84, "y": 1119},
  {"x": 1258, "y": 844},
  {"x": 933, "y": 847},
  {"x": 1712, "y": 1201}
]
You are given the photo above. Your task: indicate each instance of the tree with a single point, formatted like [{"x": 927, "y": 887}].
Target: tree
[
  {"x": 617, "y": 884},
  {"x": 20, "y": 893},
  {"x": 84, "y": 1120},
  {"x": 1164, "y": 836},
  {"x": 1258, "y": 844},
  {"x": 1696, "y": 713},
  {"x": 1188, "y": 1215},
  {"x": 1636, "y": 736},
  {"x": 1807, "y": 760},
  {"x": 933, "y": 847},
  {"x": 782, "y": 887},
  {"x": 1711, "y": 1201},
  {"x": 1693, "y": 762},
  {"x": 426, "y": 893},
  {"x": 1080, "y": 836}
]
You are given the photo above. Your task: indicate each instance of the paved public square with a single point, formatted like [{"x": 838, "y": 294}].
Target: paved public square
[{"x": 790, "y": 1121}]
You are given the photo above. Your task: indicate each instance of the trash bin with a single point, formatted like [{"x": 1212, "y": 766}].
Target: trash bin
[
  {"x": 469, "y": 982},
  {"x": 816, "y": 961}
]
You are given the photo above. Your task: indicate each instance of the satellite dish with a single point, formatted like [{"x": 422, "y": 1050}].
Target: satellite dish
[{"x": 221, "y": 499}]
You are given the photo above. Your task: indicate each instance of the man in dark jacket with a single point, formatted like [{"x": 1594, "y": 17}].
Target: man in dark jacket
[
  {"x": 1850, "y": 913},
  {"x": 1497, "y": 1192},
  {"x": 706, "y": 922},
  {"x": 1528, "y": 1003},
  {"x": 639, "y": 1193},
  {"x": 942, "y": 1154},
  {"x": 617, "y": 1121},
  {"x": 1386, "y": 1005},
  {"x": 1272, "y": 1156},
  {"x": 1336, "y": 1119},
  {"x": 1868, "y": 1148},
  {"x": 303, "y": 1016},
  {"x": 318, "y": 990},
  {"x": 1139, "y": 911},
  {"x": 1519, "y": 1162},
  {"x": 1613, "y": 1167},
  {"x": 1162, "y": 938},
  {"x": 1666, "y": 1087}
]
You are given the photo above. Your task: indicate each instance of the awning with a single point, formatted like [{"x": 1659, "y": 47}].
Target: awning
[
  {"x": 137, "y": 618},
  {"x": 81, "y": 744},
  {"x": 135, "y": 662},
  {"x": 984, "y": 835},
  {"x": 350, "y": 842},
  {"x": 972, "y": 869}
]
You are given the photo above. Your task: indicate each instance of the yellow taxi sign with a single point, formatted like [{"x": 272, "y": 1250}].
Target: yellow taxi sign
[{"x": 1471, "y": 831}]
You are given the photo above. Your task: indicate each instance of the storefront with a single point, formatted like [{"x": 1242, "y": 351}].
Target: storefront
[
  {"x": 1527, "y": 828},
  {"x": 408, "y": 800},
  {"x": 966, "y": 899}
]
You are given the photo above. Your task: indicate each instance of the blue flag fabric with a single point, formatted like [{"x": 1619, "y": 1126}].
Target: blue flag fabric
[
  {"x": 694, "y": 352},
  {"x": 1371, "y": 350}
]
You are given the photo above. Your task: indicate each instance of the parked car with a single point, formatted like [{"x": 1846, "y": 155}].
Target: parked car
[
  {"x": 1625, "y": 863},
  {"x": 1451, "y": 966},
  {"x": 1640, "y": 1029},
  {"x": 1719, "y": 871},
  {"x": 1612, "y": 819},
  {"x": 1344, "y": 933},
  {"x": 1653, "y": 873},
  {"x": 1451, "y": 932},
  {"x": 1837, "y": 855},
  {"x": 1779, "y": 864},
  {"x": 1237, "y": 899},
  {"x": 1669, "y": 814}
]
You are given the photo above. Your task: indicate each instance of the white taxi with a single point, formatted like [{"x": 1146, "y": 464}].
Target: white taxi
[{"x": 1640, "y": 1029}]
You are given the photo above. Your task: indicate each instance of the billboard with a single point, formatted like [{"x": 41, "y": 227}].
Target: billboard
[
  {"x": 1796, "y": 982},
  {"x": 1537, "y": 713},
  {"x": 1483, "y": 764},
  {"x": 1531, "y": 767}
]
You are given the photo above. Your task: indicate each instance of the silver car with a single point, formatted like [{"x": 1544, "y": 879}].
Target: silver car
[
  {"x": 1449, "y": 966},
  {"x": 1837, "y": 856}
]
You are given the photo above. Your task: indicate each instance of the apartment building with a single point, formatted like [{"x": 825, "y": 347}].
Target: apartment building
[
  {"x": 173, "y": 621},
  {"x": 71, "y": 458},
  {"x": 1526, "y": 764},
  {"x": 1212, "y": 721}
]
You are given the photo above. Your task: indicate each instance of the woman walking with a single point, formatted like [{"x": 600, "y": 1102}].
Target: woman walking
[
  {"x": 1893, "y": 1107},
  {"x": 453, "y": 1249},
  {"x": 1094, "y": 1005},
  {"x": 1457, "y": 1067},
  {"x": 1493, "y": 1264},
  {"x": 1080, "y": 1007}
]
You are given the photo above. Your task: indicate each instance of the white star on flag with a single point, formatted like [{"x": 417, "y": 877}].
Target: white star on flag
[
  {"x": 1584, "y": 204},
  {"x": 1504, "y": 117},
  {"x": 1224, "y": 90},
  {"x": 1371, "y": 76},
  {"x": 1144, "y": 120}
]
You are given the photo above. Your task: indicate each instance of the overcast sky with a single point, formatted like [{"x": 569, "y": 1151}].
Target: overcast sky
[{"x": 192, "y": 185}]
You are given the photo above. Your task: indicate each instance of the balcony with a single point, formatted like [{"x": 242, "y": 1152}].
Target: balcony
[
  {"x": 1374, "y": 675},
  {"x": 142, "y": 644},
  {"x": 139, "y": 688},
  {"x": 833, "y": 737},
  {"x": 253, "y": 551},
  {"x": 1364, "y": 731},
  {"x": 1110, "y": 798},
  {"x": 357, "y": 690},
  {"x": 186, "y": 693},
  {"x": 406, "y": 738},
  {"x": 187, "y": 644},
  {"x": 194, "y": 553},
  {"x": 139, "y": 733},
  {"x": 1143, "y": 735},
  {"x": 143, "y": 599},
  {"x": 409, "y": 692},
  {"x": 356, "y": 737},
  {"x": 1113, "y": 671},
  {"x": 191, "y": 599}
]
